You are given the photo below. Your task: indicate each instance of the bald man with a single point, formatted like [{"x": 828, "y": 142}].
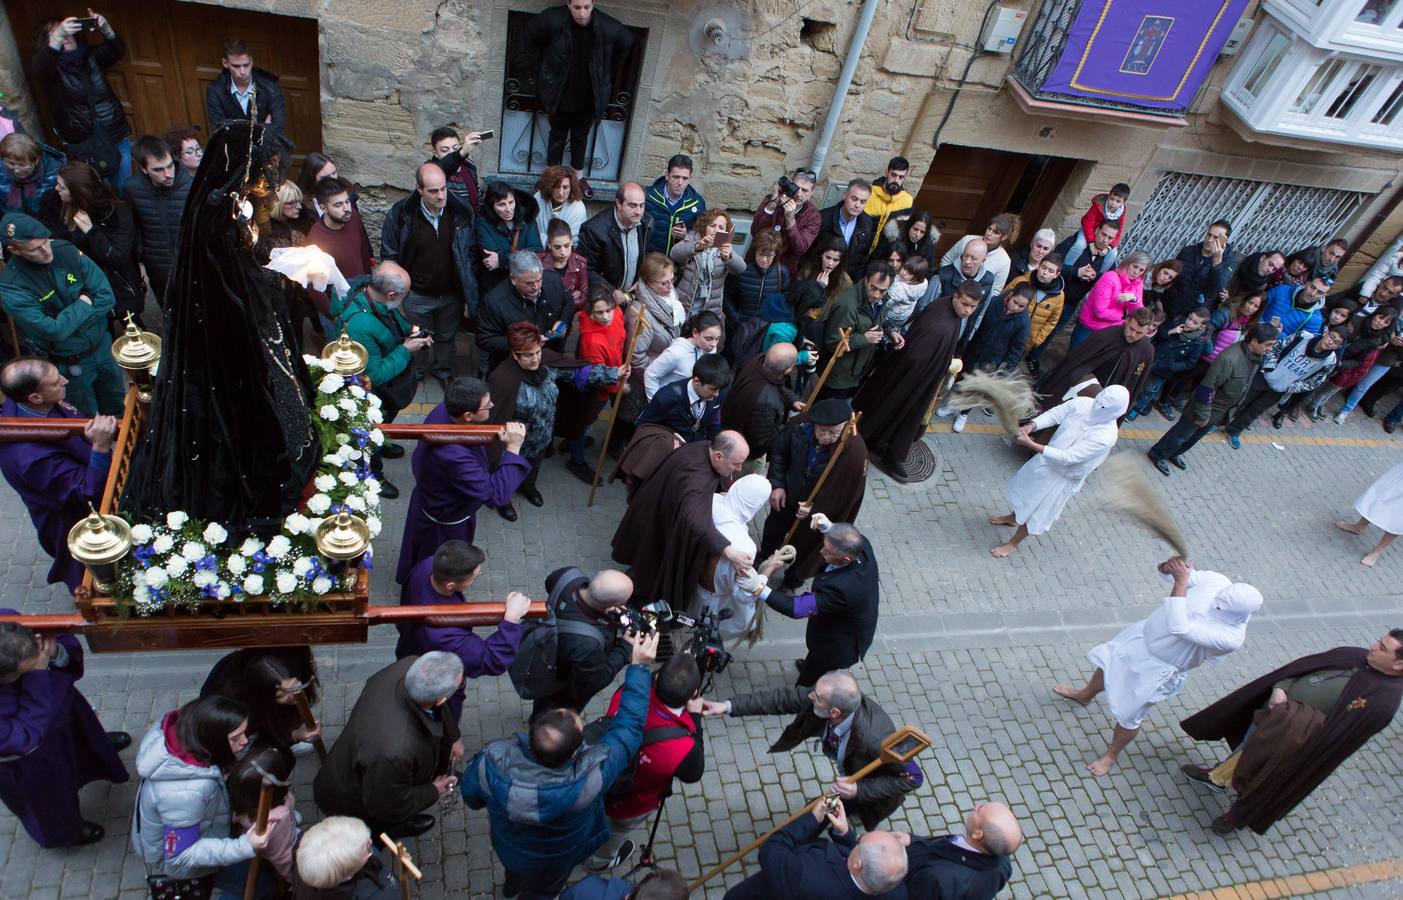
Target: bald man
[
  {"x": 973, "y": 866},
  {"x": 433, "y": 235},
  {"x": 760, "y": 400},
  {"x": 590, "y": 650},
  {"x": 796, "y": 862},
  {"x": 615, "y": 240}
]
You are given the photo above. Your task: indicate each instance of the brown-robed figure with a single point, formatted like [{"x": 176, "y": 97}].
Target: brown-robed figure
[
  {"x": 894, "y": 399},
  {"x": 666, "y": 534},
  {"x": 1307, "y": 718},
  {"x": 1120, "y": 355}
]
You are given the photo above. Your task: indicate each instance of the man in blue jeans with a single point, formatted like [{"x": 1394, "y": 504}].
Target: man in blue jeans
[{"x": 544, "y": 792}]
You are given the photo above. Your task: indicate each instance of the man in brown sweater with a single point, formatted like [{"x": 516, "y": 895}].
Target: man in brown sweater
[{"x": 340, "y": 232}]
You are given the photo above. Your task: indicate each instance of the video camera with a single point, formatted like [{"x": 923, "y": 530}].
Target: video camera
[
  {"x": 706, "y": 645},
  {"x": 644, "y": 620}
]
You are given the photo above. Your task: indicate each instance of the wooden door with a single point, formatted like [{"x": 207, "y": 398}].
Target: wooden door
[{"x": 173, "y": 52}]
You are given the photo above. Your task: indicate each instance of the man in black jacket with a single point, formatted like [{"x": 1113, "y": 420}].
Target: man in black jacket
[
  {"x": 850, "y": 729},
  {"x": 431, "y": 234},
  {"x": 760, "y": 400},
  {"x": 1208, "y": 268},
  {"x": 157, "y": 200},
  {"x": 589, "y": 648},
  {"x": 841, "y": 607},
  {"x": 975, "y": 865},
  {"x": 240, "y": 84},
  {"x": 847, "y": 220},
  {"x": 691, "y": 407},
  {"x": 798, "y": 862},
  {"x": 615, "y": 241},
  {"x": 86, "y": 113},
  {"x": 530, "y": 294},
  {"x": 574, "y": 50}
]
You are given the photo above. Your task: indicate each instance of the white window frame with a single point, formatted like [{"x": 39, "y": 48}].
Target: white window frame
[{"x": 1332, "y": 25}]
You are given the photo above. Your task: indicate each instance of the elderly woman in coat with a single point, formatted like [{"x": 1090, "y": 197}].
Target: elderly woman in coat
[{"x": 1203, "y": 619}]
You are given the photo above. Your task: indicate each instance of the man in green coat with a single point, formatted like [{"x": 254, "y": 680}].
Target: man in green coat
[
  {"x": 60, "y": 300},
  {"x": 370, "y": 314},
  {"x": 859, "y": 308}
]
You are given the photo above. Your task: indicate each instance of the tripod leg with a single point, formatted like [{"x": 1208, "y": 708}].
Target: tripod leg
[{"x": 645, "y": 857}]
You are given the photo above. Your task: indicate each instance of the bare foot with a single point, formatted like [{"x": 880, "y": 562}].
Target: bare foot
[
  {"x": 1352, "y": 528},
  {"x": 1101, "y": 765},
  {"x": 1008, "y": 520},
  {"x": 1069, "y": 693},
  {"x": 1369, "y": 560},
  {"x": 1003, "y": 550}
]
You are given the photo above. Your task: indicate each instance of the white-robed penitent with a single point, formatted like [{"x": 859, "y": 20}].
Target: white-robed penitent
[
  {"x": 1086, "y": 432},
  {"x": 1382, "y": 502},
  {"x": 1150, "y": 660},
  {"x": 731, "y": 513}
]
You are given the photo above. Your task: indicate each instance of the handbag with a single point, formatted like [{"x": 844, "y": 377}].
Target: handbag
[{"x": 163, "y": 887}]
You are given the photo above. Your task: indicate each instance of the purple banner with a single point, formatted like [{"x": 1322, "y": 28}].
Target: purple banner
[{"x": 1151, "y": 53}]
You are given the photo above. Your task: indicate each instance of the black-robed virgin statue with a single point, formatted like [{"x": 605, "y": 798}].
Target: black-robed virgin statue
[{"x": 230, "y": 437}]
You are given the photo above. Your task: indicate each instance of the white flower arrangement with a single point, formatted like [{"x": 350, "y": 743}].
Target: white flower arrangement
[{"x": 182, "y": 562}]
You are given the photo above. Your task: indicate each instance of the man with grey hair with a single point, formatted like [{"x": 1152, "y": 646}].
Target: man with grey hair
[
  {"x": 394, "y": 758},
  {"x": 530, "y": 294},
  {"x": 788, "y": 210},
  {"x": 975, "y": 865},
  {"x": 841, "y": 605},
  {"x": 850, "y": 729},
  {"x": 370, "y": 314},
  {"x": 798, "y": 862},
  {"x": 848, "y": 220}
]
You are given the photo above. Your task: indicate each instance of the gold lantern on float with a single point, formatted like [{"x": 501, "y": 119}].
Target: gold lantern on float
[
  {"x": 99, "y": 542},
  {"x": 347, "y": 357},
  {"x": 343, "y": 539},
  {"x": 138, "y": 353}
]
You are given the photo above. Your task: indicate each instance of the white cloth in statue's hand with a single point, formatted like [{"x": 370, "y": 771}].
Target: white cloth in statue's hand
[
  {"x": 309, "y": 263},
  {"x": 753, "y": 582}
]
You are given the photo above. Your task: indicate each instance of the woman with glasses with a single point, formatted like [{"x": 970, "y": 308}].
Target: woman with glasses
[{"x": 185, "y": 145}]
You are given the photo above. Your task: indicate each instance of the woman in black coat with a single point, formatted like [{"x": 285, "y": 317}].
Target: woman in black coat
[{"x": 83, "y": 210}]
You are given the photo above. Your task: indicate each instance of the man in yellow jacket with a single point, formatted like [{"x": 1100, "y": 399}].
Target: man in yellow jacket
[{"x": 888, "y": 195}]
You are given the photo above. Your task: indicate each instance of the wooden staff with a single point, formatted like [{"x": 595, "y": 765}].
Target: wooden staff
[
  {"x": 618, "y": 399},
  {"x": 404, "y": 864},
  {"x": 848, "y": 432},
  {"x": 309, "y": 722},
  {"x": 842, "y": 348},
  {"x": 260, "y": 825},
  {"x": 957, "y": 366},
  {"x": 900, "y": 746}
]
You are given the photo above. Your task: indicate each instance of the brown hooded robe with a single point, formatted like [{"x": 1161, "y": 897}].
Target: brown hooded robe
[{"x": 1107, "y": 357}]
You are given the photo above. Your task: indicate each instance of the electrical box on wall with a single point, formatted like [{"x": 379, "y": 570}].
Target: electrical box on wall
[
  {"x": 1240, "y": 31},
  {"x": 1004, "y": 28}
]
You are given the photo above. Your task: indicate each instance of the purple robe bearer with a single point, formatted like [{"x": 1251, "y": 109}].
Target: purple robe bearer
[
  {"x": 490, "y": 656},
  {"x": 52, "y": 744},
  {"x": 451, "y": 481},
  {"x": 56, "y": 480}
]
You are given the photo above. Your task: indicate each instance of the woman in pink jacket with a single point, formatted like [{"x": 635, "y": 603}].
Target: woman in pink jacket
[{"x": 1116, "y": 295}]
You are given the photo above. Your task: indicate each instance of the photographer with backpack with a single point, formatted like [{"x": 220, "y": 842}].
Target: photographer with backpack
[
  {"x": 671, "y": 748},
  {"x": 575, "y": 652}
]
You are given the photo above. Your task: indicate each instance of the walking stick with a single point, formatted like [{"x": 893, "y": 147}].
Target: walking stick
[
  {"x": 956, "y": 367},
  {"x": 901, "y": 746},
  {"x": 260, "y": 825},
  {"x": 309, "y": 722},
  {"x": 404, "y": 864},
  {"x": 842, "y": 348},
  {"x": 618, "y": 399},
  {"x": 848, "y": 432}
]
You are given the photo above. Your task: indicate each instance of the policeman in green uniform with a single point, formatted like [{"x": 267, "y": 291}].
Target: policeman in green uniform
[{"x": 60, "y": 299}]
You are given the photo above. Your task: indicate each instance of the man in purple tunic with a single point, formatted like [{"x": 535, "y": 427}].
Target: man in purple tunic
[
  {"x": 51, "y": 743},
  {"x": 55, "y": 479},
  {"x": 442, "y": 578},
  {"x": 451, "y": 481}
]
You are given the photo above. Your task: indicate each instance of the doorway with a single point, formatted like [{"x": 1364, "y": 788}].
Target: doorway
[
  {"x": 172, "y": 56},
  {"x": 967, "y": 186}
]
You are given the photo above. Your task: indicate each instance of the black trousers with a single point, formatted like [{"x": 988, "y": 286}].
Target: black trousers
[
  {"x": 1180, "y": 438},
  {"x": 1260, "y": 397},
  {"x": 574, "y": 124}
]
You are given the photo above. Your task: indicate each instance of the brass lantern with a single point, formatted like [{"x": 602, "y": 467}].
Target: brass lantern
[
  {"x": 99, "y": 542},
  {"x": 343, "y": 539},
  {"x": 138, "y": 353},
  {"x": 347, "y": 357}
]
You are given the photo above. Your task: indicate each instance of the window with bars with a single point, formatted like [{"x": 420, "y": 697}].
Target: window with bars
[{"x": 1263, "y": 214}]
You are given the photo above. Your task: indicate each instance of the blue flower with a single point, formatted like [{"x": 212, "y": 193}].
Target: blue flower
[
  {"x": 261, "y": 561},
  {"x": 208, "y": 564},
  {"x": 144, "y": 555}
]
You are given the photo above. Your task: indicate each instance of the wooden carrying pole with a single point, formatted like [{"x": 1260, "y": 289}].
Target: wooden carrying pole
[
  {"x": 848, "y": 431},
  {"x": 260, "y": 825},
  {"x": 618, "y": 399},
  {"x": 839, "y": 351},
  {"x": 309, "y": 721},
  {"x": 404, "y": 864},
  {"x": 900, "y": 746}
]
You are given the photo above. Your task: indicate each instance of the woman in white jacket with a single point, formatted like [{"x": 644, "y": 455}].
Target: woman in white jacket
[{"x": 180, "y": 826}]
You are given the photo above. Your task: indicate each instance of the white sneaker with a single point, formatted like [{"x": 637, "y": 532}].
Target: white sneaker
[
  {"x": 960, "y": 421},
  {"x": 1340, "y": 417},
  {"x": 944, "y": 412}
]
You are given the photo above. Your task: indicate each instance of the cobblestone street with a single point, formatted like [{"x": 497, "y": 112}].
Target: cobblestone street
[{"x": 968, "y": 649}]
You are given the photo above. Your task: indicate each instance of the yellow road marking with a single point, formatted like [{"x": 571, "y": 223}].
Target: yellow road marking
[{"x": 1304, "y": 884}]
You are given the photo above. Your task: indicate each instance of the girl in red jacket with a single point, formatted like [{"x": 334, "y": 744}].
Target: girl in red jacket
[{"x": 602, "y": 339}]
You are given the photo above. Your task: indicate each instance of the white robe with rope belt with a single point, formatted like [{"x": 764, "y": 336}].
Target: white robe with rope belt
[{"x": 1039, "y": 490}]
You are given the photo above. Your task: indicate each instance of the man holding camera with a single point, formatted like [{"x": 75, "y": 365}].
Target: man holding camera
[
  {"x": 787, "y": 210},
  {"x": 589, "y": 648},
  {"x": 671, "y": 748},
  {"x": 86, "y": 112}
]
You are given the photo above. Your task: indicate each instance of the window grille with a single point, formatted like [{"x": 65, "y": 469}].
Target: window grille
[{"x": 1264, "y": 215}]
